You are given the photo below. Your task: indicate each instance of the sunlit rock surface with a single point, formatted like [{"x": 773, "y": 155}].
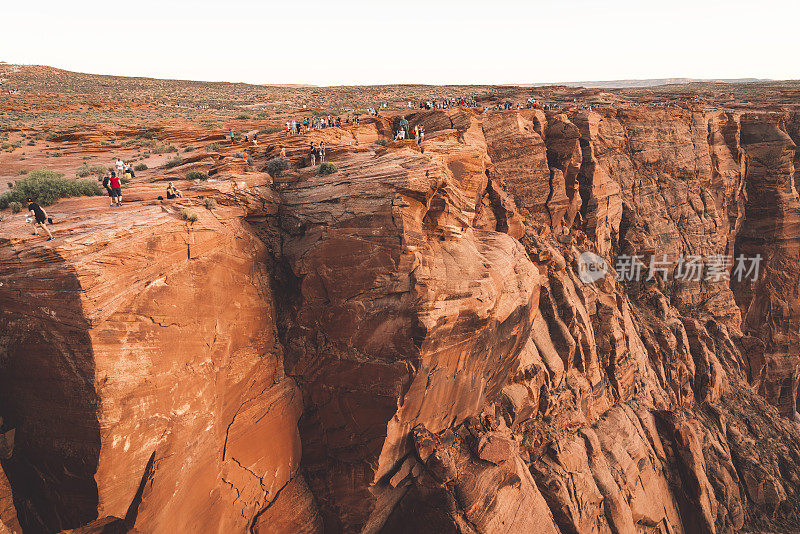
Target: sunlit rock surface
[{"x": 408, "y": 345}]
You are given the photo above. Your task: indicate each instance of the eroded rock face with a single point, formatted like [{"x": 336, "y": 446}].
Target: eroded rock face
[
  {"x": 141, "y": 371},
  {"x": 409, "y": 343}
]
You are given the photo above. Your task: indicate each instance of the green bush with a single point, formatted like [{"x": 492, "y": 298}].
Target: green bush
[
  {"x": 196, "y": 175},
  {"x": 164, "y": 149},
  {"x": 140, "y": 167},
  {"x": 46, "y": 186},
  {"x": 188, "y": 215},
  {"x": 174, "y": 162},
  {"x": 85, "y": 170},
  {"x": 327, "y": 168},
  {"x": 276, "y": 166},
  {"x": 15, "y": 206}
]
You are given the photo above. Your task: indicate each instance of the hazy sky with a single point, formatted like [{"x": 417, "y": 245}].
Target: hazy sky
[{"x": 413, "y": 41}]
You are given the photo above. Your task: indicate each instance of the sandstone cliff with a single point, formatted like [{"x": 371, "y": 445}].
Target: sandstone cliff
[{"x": 407, "y": 344}]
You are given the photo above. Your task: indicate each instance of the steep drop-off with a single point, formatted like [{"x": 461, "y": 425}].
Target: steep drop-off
[{"x": 407, "y": 345}]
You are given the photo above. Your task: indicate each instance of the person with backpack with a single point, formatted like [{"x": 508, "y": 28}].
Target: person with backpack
[
  {"x": 116, "y": 189},
  {"x": 38, "y": 218},
  {"x": 107, "y": 187},
  {"x": 313, "y": 154}
]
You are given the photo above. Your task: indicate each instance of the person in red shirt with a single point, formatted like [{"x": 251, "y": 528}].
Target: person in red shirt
[{"x": 116, "y": 189}]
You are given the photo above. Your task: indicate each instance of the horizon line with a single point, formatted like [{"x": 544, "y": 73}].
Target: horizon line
[{"x": 678, "y": 80}]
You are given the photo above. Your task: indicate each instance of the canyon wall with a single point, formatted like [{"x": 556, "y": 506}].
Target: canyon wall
[{"x": 411, "y": 342}]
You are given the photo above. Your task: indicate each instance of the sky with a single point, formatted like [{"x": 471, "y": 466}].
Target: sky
[{"x": 358, "y": 42}]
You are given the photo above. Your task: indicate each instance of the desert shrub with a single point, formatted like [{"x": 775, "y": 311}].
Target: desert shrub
[
  {"x": 327, "y": 168},
  {"x": 174, "y": 162},
  {"x": 140, "y": 167},
  {"x": 210, "y": 203},
  {"x": 83, "y": 171},
  {"x": 188, "y": 215},
  {"x": 243, "y": 117},
  {"x": 382, "y": 142},
  {"x": 57, "y": 154},
  {"x": 31, "y": 143},
  {"x": 188, "y": 149},
  {"x": 238, "y": 155},
  {"x": 196, "y": 175},
  {"x": 46, "y": 186},
  {"x": 164, "y": 149},
  {"x": 213, "y": 147},
  {"x": 124, "y": 180},
  {"x": 22, "y": 172},
  {"x": 276, "y": 166},
  {"x": 15, "y": 206},
  {"x": 149, "y": 134},
  {"x": 270, "y": 130}
]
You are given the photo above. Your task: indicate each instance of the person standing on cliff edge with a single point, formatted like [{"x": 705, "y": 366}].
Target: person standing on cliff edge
[{"x": 38, "y": 218}]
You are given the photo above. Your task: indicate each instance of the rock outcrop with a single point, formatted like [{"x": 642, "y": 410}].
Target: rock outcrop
[
  {"x": 410, "y": 343},
  {"x": 141, "y": 371}
]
